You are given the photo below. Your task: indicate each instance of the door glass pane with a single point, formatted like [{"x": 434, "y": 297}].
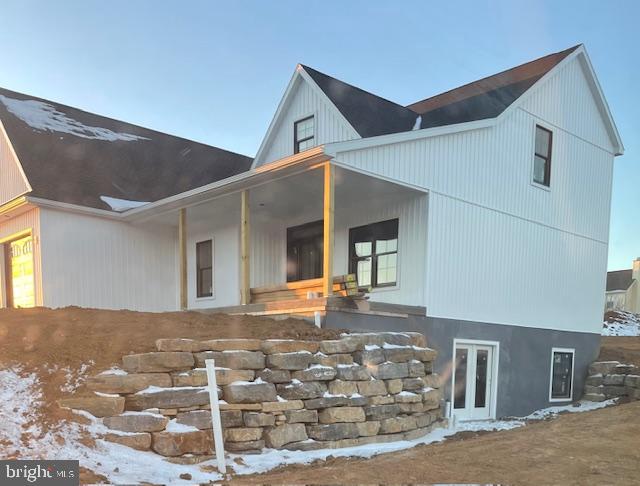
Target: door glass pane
[
  {"x": 482, "y": 359},
  {"x": 386, "y": 246},
  {"x": 21, "y": 272},
  {"x": 562, "y": 375},
  {"x": 363, "y": 248},
  {"x": 363, "y": 273},
  {"x": 460, "y": 379},
  {"x": 387, "y": 265}
]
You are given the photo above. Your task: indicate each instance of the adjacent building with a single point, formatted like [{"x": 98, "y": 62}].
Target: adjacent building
[{"x": 622, "y": 292}]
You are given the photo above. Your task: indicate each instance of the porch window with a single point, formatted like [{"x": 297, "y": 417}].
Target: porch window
[
  {"x": 373, "y": 253},
  {"x": 542, "y": 156},
  {"x": 561, "y": 374},
  {"x": 204, "y": 268},
  {"x": 303, "y": 134}
]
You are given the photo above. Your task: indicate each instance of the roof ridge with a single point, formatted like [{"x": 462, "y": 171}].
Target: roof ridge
[
  {"x": 117, "y": 120},
  {"x": 477, "y": 81}
]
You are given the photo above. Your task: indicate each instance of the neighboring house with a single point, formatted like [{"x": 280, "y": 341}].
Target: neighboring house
[
  {"x": 622, "y": 292},
  {"x": 469, "y": 215}
]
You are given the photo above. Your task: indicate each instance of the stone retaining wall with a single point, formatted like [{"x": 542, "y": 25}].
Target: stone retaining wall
[
  {"x": 611, "y": 379},
  {"x": 283, "y": 394}
]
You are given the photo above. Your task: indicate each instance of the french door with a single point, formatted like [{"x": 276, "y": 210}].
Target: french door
[{"x": 474, "y": 381}]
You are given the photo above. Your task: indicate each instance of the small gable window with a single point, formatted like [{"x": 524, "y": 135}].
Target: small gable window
[
  {"x": 303, "y": 134},
  {"x": 542, "y": 156}
]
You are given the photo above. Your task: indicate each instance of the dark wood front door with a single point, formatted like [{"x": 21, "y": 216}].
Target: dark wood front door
[{"x": 304, "y": 251}]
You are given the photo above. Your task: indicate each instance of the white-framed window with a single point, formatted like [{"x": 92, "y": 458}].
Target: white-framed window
[
  {"x": 304, "y": 134},
  {"x": 562, "y": 371},
  {"x": 204, "y": 269}
]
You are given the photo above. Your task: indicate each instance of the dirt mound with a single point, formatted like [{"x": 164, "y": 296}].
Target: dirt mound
[
  {"x": 623, "y": 349},
  {"x": 63, "y": 346}
]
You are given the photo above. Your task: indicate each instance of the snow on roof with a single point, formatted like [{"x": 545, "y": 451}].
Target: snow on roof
[
  {"x": 121, "y": 205},
  {"x": 45, "y": 117}
]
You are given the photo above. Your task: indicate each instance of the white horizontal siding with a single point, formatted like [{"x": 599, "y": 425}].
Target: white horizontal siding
[
  {"x": 269, "y": 244},
  {"x": 28, "y": 221},
  {"x": 305, "y": 101},
  {"x": 100, "y": 263},
  {"x": 12, "y": 182},
  {"x": 486, "y": 266}
]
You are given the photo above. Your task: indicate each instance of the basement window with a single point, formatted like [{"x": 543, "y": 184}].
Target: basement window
[
  {"x": 542, "y": 156},
  {"x": 373, "y": 254},
  {"x": 561, "y": 388},
  {"x": 303, "y": 134},
  {"x": 204, "y": 269}
]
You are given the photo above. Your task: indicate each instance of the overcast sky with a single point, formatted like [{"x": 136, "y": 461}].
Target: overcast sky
[{"x": 214, "y": 71}]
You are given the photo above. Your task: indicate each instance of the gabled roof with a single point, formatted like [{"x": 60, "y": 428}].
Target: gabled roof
[
  {"x": 487, "y": 97},
  {"x": 72, "y": 156},
  {"x": 372, "y": 115},
  {"x": 369, "y": 114},
  {"x": 619, "y": 280}
]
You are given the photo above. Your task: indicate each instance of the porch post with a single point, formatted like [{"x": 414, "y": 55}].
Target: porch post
[
  {"x": 327, "y": 263},
  {"x": 182, "y": 245},
  {"x": 245, "y": 280}
]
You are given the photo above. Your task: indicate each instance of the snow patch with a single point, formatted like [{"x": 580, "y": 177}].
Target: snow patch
[
  {"x": 416, "y": 125},
  {"x": 581, "y": 406},
  {"x": 177, "y": 428},
  {"x": 121, "y": 205},
  {"x": 623, "y": 324},
  {"x": 44, "y": 117}
]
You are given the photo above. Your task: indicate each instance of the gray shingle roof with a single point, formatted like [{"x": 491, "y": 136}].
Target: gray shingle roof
[
  {"x": 73, "y": 156},
  {"x": 619, "y": 280}
]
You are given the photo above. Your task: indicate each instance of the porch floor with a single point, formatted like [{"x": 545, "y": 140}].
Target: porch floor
[{"x": 307, "y": 307}]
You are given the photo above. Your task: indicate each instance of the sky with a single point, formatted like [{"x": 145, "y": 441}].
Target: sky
[{"x": 214, "y": 71}]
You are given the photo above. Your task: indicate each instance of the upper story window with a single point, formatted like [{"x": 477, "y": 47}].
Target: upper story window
[
  {"x": 374, "y": 253},
  {"x": 542, "y": 156},
  {"x": 303, "y": 134}
]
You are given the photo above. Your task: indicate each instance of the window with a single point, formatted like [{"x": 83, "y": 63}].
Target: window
[
  {"x": 373, "y": 253},
  {"x": 303, "y": 134},
  {"x": 204, "y": 268},
  {"x": 561, "y": 374},
  {"x": 304, "y": 251},
  {"x": 542, "y": 156}
]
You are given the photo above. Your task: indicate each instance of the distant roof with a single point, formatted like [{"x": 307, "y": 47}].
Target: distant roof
[
  {"x": 619, "y": 280},
  {"x": 371, "y": 115},
  {"x": 76, "y": 157}
]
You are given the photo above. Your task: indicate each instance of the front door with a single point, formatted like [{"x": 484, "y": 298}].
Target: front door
[
  {"x": 473, "y": 381},
  {"x": 304, "y": 251}
]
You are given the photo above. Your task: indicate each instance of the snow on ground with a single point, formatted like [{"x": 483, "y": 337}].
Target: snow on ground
[
  {"x": 121, "y": 205},
  {"x": 20, "y": 394},
  {"x": 44, "y": 117},
  {"x": 623, "y": 324}
]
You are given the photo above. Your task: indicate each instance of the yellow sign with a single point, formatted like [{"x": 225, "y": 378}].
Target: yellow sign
[{"x": 22, "y": 282}]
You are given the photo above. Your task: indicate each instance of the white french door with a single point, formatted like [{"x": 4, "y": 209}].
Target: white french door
[{"x": 474, "y": 380}]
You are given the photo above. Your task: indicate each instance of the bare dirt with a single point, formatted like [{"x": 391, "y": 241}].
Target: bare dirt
[
  {"x": 70, "y": 342},
  {"x": 623, "y": 349},
  {"x": 599, "y": 447}
]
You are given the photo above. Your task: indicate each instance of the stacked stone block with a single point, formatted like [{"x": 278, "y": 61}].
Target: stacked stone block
[
  {"x": 611, "y": 379},
  {"x": 283, "y": 394}
]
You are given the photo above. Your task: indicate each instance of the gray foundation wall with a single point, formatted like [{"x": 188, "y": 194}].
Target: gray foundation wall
[{"x": 525, "y": 353}]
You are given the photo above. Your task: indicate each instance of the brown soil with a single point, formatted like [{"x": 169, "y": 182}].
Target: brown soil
[
  {"x": 57, "y": 343},
  {"x": 599, "y": 447},
  {"x": 623, "y": 349}
]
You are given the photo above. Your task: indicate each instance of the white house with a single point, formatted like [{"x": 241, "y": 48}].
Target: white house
[
  {"x": 468, "y": 215},
  {"x": 623, "y": 289}
]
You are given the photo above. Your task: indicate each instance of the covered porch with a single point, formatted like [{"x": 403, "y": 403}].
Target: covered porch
[{"x": 300, "y": 241}]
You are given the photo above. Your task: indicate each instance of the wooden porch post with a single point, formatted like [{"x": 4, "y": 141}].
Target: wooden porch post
[
  {"x": 245, "y": 280},
  {"x": 182, "y": 244},
  {"x": 327, "y": 263}
]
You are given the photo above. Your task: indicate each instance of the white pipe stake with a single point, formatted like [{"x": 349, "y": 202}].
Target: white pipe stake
[{"x": 215, "y": 415}]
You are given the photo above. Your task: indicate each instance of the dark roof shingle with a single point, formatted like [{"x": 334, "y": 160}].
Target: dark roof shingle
[
  {"x": 619, "y": 279},
  {"x": 75, "y": 157}
]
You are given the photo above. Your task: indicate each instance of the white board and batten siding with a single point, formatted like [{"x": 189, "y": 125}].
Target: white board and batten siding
[
  {"x": 101, "y": 263},
  {"x": 305, "y": 100},
  {"x": 500, "y": 249},
  {"x": 12, "y": 181}
]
